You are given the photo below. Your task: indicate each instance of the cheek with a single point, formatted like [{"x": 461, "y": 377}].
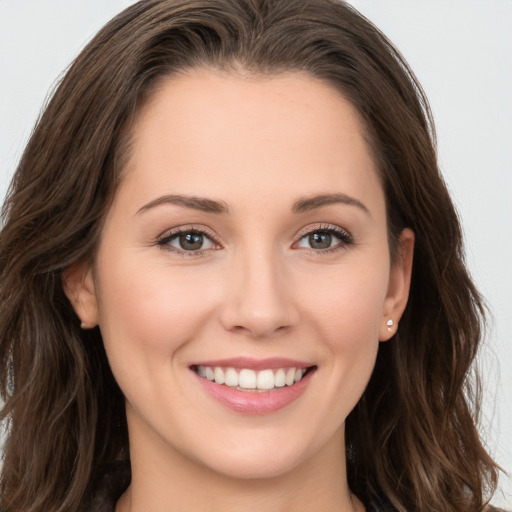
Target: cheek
[
  {"x": 347, "y": 302},
  {"x": 344, "y": 315},
  {"x": 147, "y": 315}
]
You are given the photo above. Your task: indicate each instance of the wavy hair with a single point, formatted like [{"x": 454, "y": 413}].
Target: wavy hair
[{"x": 412, "y": 440}]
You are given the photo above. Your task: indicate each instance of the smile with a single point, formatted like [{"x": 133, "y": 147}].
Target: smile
[
  {"x": 250, "y": 386},
  {"x": 246, "y": 379}
]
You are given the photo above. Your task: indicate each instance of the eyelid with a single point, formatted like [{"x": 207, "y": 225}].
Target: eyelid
[
  {"x": 169, "y": 234},
  {"x": 323, "y": 227},
  {"x": 341, "y": 233},
  {"x": 162, "y": 239}
]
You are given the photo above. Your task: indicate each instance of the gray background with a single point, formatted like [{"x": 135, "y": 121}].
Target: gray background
[{"x": 461, "y": 52}]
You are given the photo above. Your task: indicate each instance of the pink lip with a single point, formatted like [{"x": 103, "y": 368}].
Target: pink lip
[
  {"x": 271, "y": 363},
  {"x": 254, "y": 402}
]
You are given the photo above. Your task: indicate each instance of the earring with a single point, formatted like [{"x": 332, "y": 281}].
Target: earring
[
  {"x": 390, "y": 324},
  {"x": 85, "y": 325}
]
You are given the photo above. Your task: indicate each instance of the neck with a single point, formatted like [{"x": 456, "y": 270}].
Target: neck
[{"x": 163, "y": 481}]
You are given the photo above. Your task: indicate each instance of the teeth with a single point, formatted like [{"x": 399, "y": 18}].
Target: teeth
[
  {"x": 219, "y": 375},
  {"x": 209, "y": 373},
  {"x": 265, "y": 379},
  {"x": 231, "y": 378},
  {"x": 247, "y": 379},
  {"x": 250, "y": 379},
  {"x": 290, "y": 376},
  {"x": 280, "y": 378}
]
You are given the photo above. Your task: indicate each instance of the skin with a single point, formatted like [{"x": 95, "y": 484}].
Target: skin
[{"x": 257, "y": 289}]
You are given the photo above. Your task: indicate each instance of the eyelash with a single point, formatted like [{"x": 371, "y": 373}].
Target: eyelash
[
  {"x": 165, "y": 240},
  {"x": 343, "y": 235}
]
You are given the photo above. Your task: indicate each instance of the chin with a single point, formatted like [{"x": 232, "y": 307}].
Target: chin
[
  {"x": 255, "y": 460},
  {"x": 256, "y": 469}
]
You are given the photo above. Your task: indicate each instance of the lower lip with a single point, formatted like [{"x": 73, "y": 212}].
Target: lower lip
[{"x": 254, "y": 402}]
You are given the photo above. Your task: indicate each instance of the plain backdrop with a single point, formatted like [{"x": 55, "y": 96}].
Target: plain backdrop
[{"x": 461, "y": 52}]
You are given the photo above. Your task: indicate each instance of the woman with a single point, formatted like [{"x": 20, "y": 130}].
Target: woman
[{"x": 232, "y": 276}]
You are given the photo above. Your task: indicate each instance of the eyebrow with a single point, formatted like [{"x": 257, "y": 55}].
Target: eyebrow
[
  {"x": 194, "y": 202},
  {"x": 212, "y": 206},
  {"x": 309, "y": 203}
]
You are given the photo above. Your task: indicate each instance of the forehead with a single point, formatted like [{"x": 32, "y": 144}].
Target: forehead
[{"x": 206, "y": 130}]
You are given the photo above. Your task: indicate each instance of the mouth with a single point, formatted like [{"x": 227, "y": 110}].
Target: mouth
[
  {"x": 254, "y": 386},
  {"x": 252, "y": 380}
]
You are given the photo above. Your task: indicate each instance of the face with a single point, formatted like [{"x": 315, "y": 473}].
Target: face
[{"x": 246, "y": 244}]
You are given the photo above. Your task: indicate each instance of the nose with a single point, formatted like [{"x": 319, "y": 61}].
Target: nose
[{"x": 258, "y": 300}]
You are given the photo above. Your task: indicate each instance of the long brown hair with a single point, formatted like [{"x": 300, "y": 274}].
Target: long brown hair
[{"x": 412, "y": 439}]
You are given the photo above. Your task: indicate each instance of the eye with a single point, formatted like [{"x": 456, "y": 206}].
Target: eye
[
  {"x": 191, "y": 240},
  {"x": 324, "y": 238}
]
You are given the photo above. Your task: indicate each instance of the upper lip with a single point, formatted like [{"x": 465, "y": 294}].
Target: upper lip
[{"x": 270, "y": 363}]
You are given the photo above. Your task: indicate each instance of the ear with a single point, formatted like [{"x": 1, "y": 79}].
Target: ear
[
  {"x": 398, "y": 288},
  {"x": 78, "y": 284}
]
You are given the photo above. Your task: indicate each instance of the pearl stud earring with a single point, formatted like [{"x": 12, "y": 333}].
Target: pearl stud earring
[{"x": 390, "y": 324}]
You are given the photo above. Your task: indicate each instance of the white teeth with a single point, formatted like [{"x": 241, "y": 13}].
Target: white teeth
[
  {"x": 279, "y": 378},
  {"x": 290, "y": 376},
  {"x": 231, "y": 378},
  {"x": 250, "y": 379},
  {"x": 265, "y": 379},
  {"x": 219, "y": 375},
  {"x": 247, "y": 379}
]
